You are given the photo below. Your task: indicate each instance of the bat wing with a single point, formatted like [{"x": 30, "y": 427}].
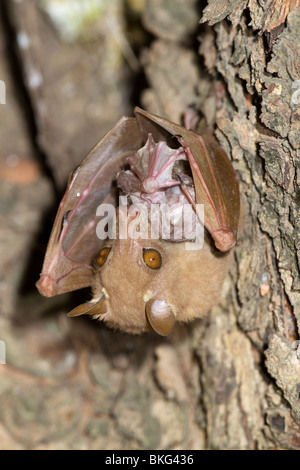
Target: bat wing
[
  {"x": 73, "y": 241},
  {"x": 216, "y": 184}
]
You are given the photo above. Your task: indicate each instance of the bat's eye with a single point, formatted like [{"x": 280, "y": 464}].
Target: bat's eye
[
  {"x": 152, "y": 258},
  {"x": 102, "y": 257}
]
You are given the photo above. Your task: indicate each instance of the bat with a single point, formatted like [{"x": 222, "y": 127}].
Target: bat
[{"x": 160, "y": 253}]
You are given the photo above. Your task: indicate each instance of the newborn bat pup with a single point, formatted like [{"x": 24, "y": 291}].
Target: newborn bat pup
[{"x": 154, "y": 272}]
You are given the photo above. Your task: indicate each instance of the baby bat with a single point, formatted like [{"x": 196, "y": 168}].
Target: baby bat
[{"x": 150, "y": 263}]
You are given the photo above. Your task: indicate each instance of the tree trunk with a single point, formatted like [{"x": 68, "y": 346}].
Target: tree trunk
[
  {"x": 249, "y": 367},
  {"x": 231, "y": 380}
]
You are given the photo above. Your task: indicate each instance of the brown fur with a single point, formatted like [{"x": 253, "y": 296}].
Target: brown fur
[{"x": 190, "y": 281}]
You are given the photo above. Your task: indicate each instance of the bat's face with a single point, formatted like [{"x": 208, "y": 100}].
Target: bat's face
[
  {"x": 144, "y": 283},
  {"x": 130, "y": 275}
]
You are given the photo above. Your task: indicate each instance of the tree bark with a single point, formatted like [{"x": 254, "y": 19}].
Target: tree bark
[
  {"x": 247, "y": 348},
  {"x": 231, "y": 380}
]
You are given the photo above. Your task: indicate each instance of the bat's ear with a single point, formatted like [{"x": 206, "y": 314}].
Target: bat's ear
[{"x": 160, "y": 316}]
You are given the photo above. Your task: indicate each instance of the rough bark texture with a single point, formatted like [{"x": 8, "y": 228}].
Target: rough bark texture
[{"x": 230, "y": 381}]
